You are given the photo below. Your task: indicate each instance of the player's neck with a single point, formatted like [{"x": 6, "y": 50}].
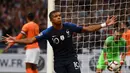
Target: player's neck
[
  {"x": 58, "y": 27},
  {"x": 30, "y": 21},
  {"x": 126, "y": 29},
  {"x": 116, "y": 40}
]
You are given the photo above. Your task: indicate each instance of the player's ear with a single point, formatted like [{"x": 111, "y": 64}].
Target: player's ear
[
  {"x": 27, "y": 19},
  {"x": 51, "y": 19}
]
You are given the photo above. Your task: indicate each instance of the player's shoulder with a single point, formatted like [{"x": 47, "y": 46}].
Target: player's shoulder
[
  {"x": 69, "y": 24},
  {"x": 30, "y": 24},
  {"x": 48, "y": 30},
  {"x": 26, "y": 24},
  {"x": 123, "y": 40},
  {"x": 127, "y": 32},
  {"x": 110, "y": 38}
]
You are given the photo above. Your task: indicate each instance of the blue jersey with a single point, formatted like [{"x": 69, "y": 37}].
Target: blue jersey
[{"x": 61, "y": 40}]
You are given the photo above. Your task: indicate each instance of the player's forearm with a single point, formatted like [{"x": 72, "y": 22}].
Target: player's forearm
[
  {"x": 105, "y": 56},
  {"x": 94, "y": 27},
  {"x": 123, "y": 55},
  {"x": 24, "y": 41},
  {"x": 19, "y": 36}
]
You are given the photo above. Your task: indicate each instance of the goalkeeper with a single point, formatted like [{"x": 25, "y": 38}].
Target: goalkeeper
[{"x": 113, "y": 47}]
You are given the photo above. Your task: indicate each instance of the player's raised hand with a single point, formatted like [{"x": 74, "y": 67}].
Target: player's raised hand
[
  {"x": 9, "y": 39},
  {"x": 111, "y": 21}
]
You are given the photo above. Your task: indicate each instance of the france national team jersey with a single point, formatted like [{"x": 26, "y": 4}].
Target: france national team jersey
[{"x": 61, "y": 40}]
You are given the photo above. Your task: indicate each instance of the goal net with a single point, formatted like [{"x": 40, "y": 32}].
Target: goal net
[{"x": 87, "y": 12}]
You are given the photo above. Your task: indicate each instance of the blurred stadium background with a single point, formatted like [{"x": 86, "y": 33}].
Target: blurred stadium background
[
  {"x": 81, "y": 12},
  {"x": 12, "y": 18}
]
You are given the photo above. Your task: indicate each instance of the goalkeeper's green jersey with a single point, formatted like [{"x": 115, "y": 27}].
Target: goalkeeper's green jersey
[{"x": 112, "y": 48}]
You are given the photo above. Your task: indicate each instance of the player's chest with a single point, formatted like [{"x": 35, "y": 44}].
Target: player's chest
[
  {"x": 115, "y": 46},
  {"x": 118, "y": 44},
  {"x": 59, "y": 36}
]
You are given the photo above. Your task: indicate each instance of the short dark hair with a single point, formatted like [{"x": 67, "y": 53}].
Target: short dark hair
[
  {"x": 31, "y": 16},
  {"x": 126, "y": 23},
  {"x": 121, "y": 30},
  {"x": 117, "y": 25},
  {"x": 51, "y": 13}
]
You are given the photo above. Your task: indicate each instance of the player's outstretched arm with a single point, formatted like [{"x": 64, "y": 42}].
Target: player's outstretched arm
[
  {"x": 105, "y": 54},
  {"x": 11, "y": 39},
  {"x": 105, "y": 58},
  {"x": 26, "y": 40},
  {"x": 20, "y": 35},
  {"x": 95, "y": 27},
  {"x": 123, "y": 54}
]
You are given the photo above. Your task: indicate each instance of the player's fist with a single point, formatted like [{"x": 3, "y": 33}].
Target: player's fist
[{"x": 121, "y": 62}]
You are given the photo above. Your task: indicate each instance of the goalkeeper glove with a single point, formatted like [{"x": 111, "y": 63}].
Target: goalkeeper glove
[
  {"x": 106, "y": 62},
  {"x": 121, "y": 62}
]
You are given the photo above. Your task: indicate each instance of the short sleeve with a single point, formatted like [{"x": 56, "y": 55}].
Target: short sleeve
[
  {"x": 41, "y": 36},
  {"x": 25, "y": 28},
  {"x": 124, "y": 36},
  {"x": 74, "y": 27}
]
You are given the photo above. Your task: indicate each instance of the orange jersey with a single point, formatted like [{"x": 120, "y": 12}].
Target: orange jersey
[
  {"x": 31, "y": 29},
  {"x": 126, "y": 36}
]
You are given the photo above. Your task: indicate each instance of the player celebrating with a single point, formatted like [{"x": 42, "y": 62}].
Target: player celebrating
[
  {"x": 114, "y": 45},
  {"x": 60, "y": 37},
  {"x": 29, "y": 30}
]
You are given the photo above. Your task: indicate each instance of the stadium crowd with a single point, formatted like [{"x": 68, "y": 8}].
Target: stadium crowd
[{"x": 13, "y": 12}]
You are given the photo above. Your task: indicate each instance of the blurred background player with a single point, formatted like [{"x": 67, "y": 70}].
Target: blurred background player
[
  {"x": 126, "y": 36},
  {"x": 60, "y": 37},
  {"x": 29, "y": 30},
  {"x": 113, "y": 47}
]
